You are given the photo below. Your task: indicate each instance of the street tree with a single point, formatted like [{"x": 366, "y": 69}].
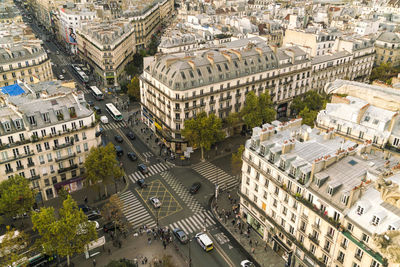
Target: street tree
[
  {"x": 135, "y": 67},
  {"x": 297, "y": 104},
  {"x": 134, "y": 89},
  {"x": 65, "y": 234},
  {"x": 12, "y": 247},
  {"x": 16, "y": 197},
  {"x": 308, "y": 116},
  {"x": 257, "y": 109},
  {"x": 121, "y": 263},
  {"x": 311, "y": 99},
  {"x": 236, "y": 161},
  {"x": 102, "y": 166},
  {"x": 232, "y": 121},
  {"x": 203, "y": 131},
  {"x": 112, "y": 211}
]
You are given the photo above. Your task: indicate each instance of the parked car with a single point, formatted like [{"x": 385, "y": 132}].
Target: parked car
[
  {"x": 155, "y": 202},
  {"x": 119, "y": 151},
  {"x": 85, "y": 208},
  {"x": 93, "y": 215},
  {"x": 61, "y": 77},
  {"x": 143, "y": 169},
  {"x": 118, "y": 138},
  {"x": 110, "y": 226},
  {"x": 130, "y": 135},
  {"x": 246, "y": 263},
  {"x": 141, "y": 183},
  {"x": 194, "y": 188},
  {"x": 181, "y": 235},
  {"x": 132, "y": 156}
]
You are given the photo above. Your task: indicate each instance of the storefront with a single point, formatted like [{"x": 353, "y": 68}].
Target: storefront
[
  {"x": 282, "y": 249},
  {"x": 282, "y": 110},
  {"x": 70, "y": 185}
]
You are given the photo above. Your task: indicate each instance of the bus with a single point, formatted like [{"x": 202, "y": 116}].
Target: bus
[
  {"x": 114, "y": 112},
  {"x": 82, "y": 75},
  {"x": 96, "y": 93}
]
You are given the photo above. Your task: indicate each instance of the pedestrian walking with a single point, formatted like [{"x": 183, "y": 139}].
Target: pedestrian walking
[
  {"x": 256, "y": 243},
  {"x": 250, "y": 242},
  {"x": 165, "y": 245},
  {"x": 252, "y": 250},
  {"x": 109, "y": 251},
  {"x": 149, "y": 240},
  {"x": 86, "y": 200},
  {"x": 94, "y": 262}
]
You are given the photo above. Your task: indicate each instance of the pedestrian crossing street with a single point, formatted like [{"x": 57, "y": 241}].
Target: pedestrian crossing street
[
  {"x": 195, "y": 223},
  {"x": 113, "y": 125},
  {"x": 85, "y": 90},
  {"x": 182, "y": 192},
  {"x": 153, "y": 169},
  {"x": 216, "y": 175},
  {"x": 135, "y": 212}
]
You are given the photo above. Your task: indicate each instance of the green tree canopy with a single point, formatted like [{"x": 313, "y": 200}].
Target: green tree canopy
[
  {"x": 112, "y": 211},
  {"x": 236, "y": 161},
  {"x": 203, "y": 131},
  {"x": 308, "y": 116},
  {"x": 15, "y": 196},
  {"x": 12, "y": 246},
  {"x": 135, "y": 67},
  {"x": 102, "y": 166},
  {"x": 383, "y": 72},
  {"x": 232, "y": 121},
  {"x": 66, "y": 234},
  {"x": 257, "y": 109},
  {"x": 134, "y": 89}
]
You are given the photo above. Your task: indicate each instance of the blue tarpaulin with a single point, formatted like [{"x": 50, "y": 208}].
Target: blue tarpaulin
[{"x": 12, "y": 90}]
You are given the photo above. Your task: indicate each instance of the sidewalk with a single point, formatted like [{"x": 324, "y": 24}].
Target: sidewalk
[
  {"x": 262, "y": 254},
  {"x": 221, "y": 149},
  {"x": 133, "y": 248}
]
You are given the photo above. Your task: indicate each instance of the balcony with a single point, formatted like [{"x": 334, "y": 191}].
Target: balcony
[
  {"x": 20, "y": 168},
  {"x": 177, "y": 120},
  {"x": 313, "y": 239},
  {"x": 10, "y": 170},
  {"x": 238, "y": 95},
  {"x": 65, "y": 157},
  {"x": 31, "y": 164},
  {"x": 20, "y": 156},
  {"x": 358, "y": 257},
  {"x": 72, "y": 167},
  {"x": 302, "y": 229},
  {"x": 34, "y": 177},
  {"x": 177, "y": 109},
  {"x": 327, "y": 249},
  {"x": 340, "y": 259},
  {"x": 62, "y": 146},
  {"x": 212, "y": 102}
]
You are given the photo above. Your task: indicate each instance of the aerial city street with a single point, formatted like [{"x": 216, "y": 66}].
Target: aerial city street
[{"x": 199, "y": 133}]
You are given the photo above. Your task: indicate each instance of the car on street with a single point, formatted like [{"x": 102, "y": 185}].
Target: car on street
[
  {"x": 143, "y": 168},
  {"x": 181, "y": 235},
  {"x": 155, "y": 202},
  {"x": 118, "y": 138},
  {"x": 195, "y": 188},
  {"x": 246, "y": 263},
  {"x": 110, "y": 226},
  {"x": 119, "y": 151},
  {"x": 90, "y": 103},
  {"x": 132, "y": 156},
  {"x": 58, "y": 52},
  {"x": 97, "y": 110},
  {"x": 48, "y": 51},
  {"x": 61, "y": 77},
  {"x": 141, "y": 183},
  {"x": 93, "y": 215},
  {"x": 63, "y": 70},
  {"x": 130, "y": 135},
  {"x": 99, "y": 132},
  {"x": 85, "y": 208},
  {"x": 204, "y": 241}
]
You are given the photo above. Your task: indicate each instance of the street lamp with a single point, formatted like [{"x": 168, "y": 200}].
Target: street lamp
[{"x": 190, "y": 254}]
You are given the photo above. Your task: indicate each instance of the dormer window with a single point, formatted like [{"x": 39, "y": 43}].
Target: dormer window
[
  {"x": 272, "y": 157},
  {"x": 282, "y": 164},
  {"x": 32, "y": 120},
  {"x": 292, "y": 171},
  {"x": 46, "y": 117},
  {"x": 262, "y": 150},
  {"x": 18, "y": 124},
  {"x": 375, "y": 220},
  {"x": 344, "y": 199},
  {"x": 391, "y": 228},
  {"x": 330, "y": 190},
  {"x": 7, "y": 126},
  {"x": 360, "y": 210}
]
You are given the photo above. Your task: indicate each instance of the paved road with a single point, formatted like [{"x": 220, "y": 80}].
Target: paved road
[{"x": 179, "y": 209}]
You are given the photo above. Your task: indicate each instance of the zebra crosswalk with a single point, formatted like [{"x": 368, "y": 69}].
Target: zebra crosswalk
[
  {"x": 153, "y": 169},
  {"x": 183, "y": 192},
  {"x": 194, "y": 223},
  {"x": 113, "y": 125},
  {"x": 135, "y": 212},
  {"x": 148, "y": 154},
  {"x": 216, "y": 175}
]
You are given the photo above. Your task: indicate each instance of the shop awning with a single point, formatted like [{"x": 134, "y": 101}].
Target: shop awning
[
  {"x": 281, "y": 244},
  {"x": 57, "y": 186}
]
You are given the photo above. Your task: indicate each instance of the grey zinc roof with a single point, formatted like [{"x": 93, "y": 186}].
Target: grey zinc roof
[
  {"x": 18, "y": 53},
  {"x": 389, "y": 37},
  {"x": 324, "y": 58},
  {"x": 212, "y": 66}
]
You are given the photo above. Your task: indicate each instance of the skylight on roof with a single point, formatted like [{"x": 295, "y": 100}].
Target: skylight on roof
[{"x": 353, "y": 162}]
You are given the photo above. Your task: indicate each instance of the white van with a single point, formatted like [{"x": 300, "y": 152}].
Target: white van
[
  {"x": 204, "y": 241},
  {"x": 104, "y": 119}
]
